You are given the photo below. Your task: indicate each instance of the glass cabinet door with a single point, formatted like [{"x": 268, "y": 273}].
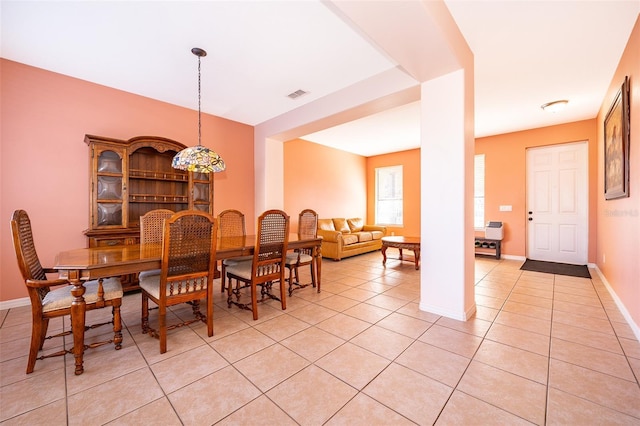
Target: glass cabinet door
[
  {"x": 202, "y": 191},
  {"x": 109, "y": 190}
]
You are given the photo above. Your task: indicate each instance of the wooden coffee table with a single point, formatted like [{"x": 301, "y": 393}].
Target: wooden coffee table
[{"x": 402, "y": 243}]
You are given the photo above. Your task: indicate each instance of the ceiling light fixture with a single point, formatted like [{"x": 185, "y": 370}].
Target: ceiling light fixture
[
  {"x": 555, "y": 106},
  {"x": 198, "y": 159}
]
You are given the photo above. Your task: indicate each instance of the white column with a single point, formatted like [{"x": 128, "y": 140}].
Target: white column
[
  {"x": 447, "y": 254},
  {"x": 269, "y": 174}
]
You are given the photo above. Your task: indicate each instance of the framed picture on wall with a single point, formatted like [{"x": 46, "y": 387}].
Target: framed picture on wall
[{"x": 616, "y": 145}]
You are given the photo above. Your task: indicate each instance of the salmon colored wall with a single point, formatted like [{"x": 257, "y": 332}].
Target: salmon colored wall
[
  {"x": 410, "y": 160},
  {"x": 327, "y": 180},
  {"x": 44, "y": 160},
  {"x": 619, "y": 220},
  {"x": 505, "y": 178}
]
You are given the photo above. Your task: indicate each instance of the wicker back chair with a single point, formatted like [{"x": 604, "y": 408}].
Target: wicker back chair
[
  {"x": 151, "y": 230},
  {"x": 47, "y": 303},
  {"x": 231, "y": 224},
  {"x": 307, "y": 229},
  {"x": 266, "y": 265},
  {"x": 187, "y": 272},
  {"x": 151, "y": 225}
]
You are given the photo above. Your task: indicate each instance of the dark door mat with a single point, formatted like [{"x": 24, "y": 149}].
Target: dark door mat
[{"x": 556, "y": 268}]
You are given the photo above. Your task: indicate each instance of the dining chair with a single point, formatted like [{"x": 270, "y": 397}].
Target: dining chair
[
  {"x": 307, "y": 229},
  {"x": 231, "y": 224},
  {"x": 186, "y": 275},
  {"x": 48, "y": 302},
  {"x": 151, "y": 228},
  {"x": 266, "y": 266}
]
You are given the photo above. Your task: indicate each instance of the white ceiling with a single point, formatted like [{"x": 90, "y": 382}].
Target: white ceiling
[{"x": 526, "y": 53}]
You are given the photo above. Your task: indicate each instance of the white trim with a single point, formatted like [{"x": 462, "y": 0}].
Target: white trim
[
  {"x": 14, "y": 303},
  {"x": 623, "y": 310},
  {"x": 512, "y": 257},
  {"x": 447, "y": 313}
]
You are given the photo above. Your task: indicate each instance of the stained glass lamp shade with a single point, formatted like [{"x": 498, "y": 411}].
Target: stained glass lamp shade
[{"x": 199, "y": 159}]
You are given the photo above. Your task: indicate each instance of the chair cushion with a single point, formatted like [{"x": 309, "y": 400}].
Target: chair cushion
[
  {"x": 341, "y": 225},
  {"x": 61, "y": 298},
  {"x": 355, "y": 224},
  {"x": 151, "y": 284},
  {"x": 292, "y": 258},
  {"x": 376, "y": 235},
  {"x": 241, "y": 269},
  {"x": 326, "y": 225},
  {"x": 234, "y": 260},
  {"x": 143, "y": 274},
  {"x": 349, "y": 239}
]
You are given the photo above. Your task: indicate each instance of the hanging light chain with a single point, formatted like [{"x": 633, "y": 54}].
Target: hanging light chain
[{"x": 199, "y": 113}]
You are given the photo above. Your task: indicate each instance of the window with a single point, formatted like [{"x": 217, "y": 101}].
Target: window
[
  {"x": 478, "y": 191},
  {"x": 389, "y": 195}
]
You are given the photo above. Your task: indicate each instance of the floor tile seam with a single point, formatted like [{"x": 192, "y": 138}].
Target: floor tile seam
[
  {"x": 372, "y": 398},
  {"x": 491, "y": 339},
  {"x": 594, "y": 402},
  {"x": 588, "y": 345},
  {"x": 636, "y": 375},
  {"x": 548, "y": 385},
  {"x": 362, "y": 391},
  {"x": 353, "y": 316},
  {"x": 262, "y": 394},
  {"x": 485, "y": 337},
  {"x": 37, "y": 408},
  {"x": 494, "y": 405},
  {"x": 408, "y": 317},
  {"x": 595, "y": 370},
  {"x": 281, "y": 381}
]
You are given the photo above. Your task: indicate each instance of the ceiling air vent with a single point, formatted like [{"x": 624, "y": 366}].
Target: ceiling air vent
[{"x": 297, "y": 94}]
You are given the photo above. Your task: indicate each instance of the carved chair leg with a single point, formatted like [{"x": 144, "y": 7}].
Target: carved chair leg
[
  {"x": 283, "y": 296},
  {"x": 313, "y": 274},
  {"x": 223, "y": 277},
  {"x": 43, "y": 332},
  {"x": 254, "y": 301},
  {"x": 195, "y": 308},
  {"x": 297, "y": 275},
  {"x": 36, "y": 344},
  {"x": 145, "y": 313},
  {"x": 162, "y": 328},
  {"x": 117, "y": 326}
]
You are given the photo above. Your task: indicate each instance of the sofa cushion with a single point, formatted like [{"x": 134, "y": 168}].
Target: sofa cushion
[
  {"x": 341, "y": 225},
  {"x": 376, "y": 235},
  {"x": 326, "y": 225},
  {"x": 355, "y": 224},
  {"x": 363, "y": 236},
  {"x": 349, "y": 239}
]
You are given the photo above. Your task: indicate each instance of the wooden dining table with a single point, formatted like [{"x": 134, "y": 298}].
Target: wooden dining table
[{"x": 80, "y": 265}]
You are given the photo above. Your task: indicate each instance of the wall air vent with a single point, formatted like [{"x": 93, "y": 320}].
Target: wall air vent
[{"x": 297, "y": 94}]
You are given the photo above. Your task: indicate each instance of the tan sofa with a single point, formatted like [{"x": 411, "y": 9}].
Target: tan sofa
[{"x": 347, "y": 237}]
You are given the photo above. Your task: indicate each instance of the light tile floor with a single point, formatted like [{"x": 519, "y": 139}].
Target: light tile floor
[{"x": 542, "y": 349}]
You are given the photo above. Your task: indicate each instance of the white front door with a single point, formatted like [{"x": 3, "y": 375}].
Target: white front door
[{"x": 557, "y": 204}]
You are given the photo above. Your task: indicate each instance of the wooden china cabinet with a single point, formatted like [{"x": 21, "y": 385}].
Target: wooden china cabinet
[{"x": 128, "y": 178}]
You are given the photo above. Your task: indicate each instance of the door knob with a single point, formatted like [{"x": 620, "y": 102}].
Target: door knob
[{"x": 530, "y": 219}]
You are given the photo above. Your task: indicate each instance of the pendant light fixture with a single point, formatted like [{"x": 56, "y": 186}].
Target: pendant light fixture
[{"x": 199, "y": 159}]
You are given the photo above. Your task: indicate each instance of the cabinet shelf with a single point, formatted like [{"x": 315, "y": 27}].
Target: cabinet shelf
[
  {"x": 158, "y": 175},
  {"x": 155, "y": 198},
  {"x": 488, "y": 247}
]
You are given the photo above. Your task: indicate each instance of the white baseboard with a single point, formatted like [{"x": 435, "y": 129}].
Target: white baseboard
[
  {"x": 14, "y": 303},
  {"x": 623, "y": 309},
  {"x": 512, "y": 257}
]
